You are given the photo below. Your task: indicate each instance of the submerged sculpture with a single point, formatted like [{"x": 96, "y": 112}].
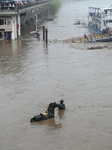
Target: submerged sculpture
[{"x": 49, "y": 113}]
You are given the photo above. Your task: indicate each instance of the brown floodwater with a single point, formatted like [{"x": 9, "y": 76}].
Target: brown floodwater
[{"x": 32, "y": 75}]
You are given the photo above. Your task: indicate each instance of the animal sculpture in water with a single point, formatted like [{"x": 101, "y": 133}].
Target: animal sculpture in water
[{"x": 49, "y": 113}]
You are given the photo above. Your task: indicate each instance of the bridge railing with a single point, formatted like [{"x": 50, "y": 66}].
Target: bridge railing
[{"x": 19, "y": 6}]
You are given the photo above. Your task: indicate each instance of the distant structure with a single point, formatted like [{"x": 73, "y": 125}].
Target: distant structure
[
  {"x": 14, "y": 14},
  {"x": 100, "y": 19}
]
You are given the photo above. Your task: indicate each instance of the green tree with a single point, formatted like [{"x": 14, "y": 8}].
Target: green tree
[{"x": 54, "y": 5}]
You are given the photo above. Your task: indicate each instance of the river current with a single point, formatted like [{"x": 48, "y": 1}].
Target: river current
[{"x": 32, "y": 75}]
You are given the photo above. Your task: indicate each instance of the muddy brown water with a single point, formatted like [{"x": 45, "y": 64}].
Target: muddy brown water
[{"x": 33, "y": 75}]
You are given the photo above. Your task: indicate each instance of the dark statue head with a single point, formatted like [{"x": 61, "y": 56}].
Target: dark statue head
[{"x": 61, "y": 101}]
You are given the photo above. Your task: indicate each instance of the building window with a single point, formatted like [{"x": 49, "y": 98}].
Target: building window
[{"x": 3, "y": 22}]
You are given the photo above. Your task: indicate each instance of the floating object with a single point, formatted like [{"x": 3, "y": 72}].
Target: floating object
[
  {"x": 77, "y": 22},
  {"x": 34, "y": 32},
  {"x": 6, "y": 40}
]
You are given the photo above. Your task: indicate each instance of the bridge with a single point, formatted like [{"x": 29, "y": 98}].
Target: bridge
[{"x": 13, "y": 16}]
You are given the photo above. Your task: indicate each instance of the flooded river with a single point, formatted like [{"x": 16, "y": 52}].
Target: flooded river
[{"x": 33, "y": 75}]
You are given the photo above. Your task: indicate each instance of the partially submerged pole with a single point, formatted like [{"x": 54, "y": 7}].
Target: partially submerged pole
[
  {"x": 46, "y": 36},
  {"x": 43, "y": 33},
  {"x": 36, "y": 22}
]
